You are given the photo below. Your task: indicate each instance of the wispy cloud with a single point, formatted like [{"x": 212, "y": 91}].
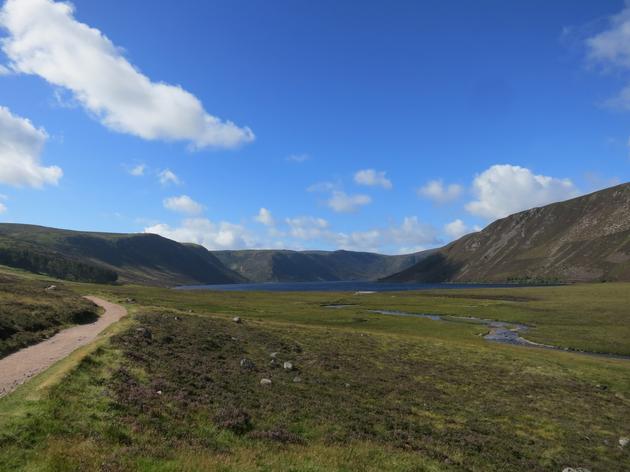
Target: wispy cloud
[
  {"x": 168, "y": 177},
  {"x": 298, "y": 158},
  {"x": 183, "y": 204},
  {"x": 436, "y": 191},
  {"x": 372, "y": 178},
  {"x": 341, "y": 202},
  {"x": 610, "y": 48},
  {"x": 137, "y": 170},
  {"x": 264, "y": 217}
]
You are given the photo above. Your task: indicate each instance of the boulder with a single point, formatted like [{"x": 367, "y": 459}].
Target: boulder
[
  {"x": 288, "y": 365},
  {"x": 265, "y": 381},
  {"x": 237, "y": 319}
]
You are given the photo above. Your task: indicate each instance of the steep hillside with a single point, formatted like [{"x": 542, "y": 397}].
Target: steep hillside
[
  {"x": 310, "y": 266},
  {"x": 140, "y": 258},
  {"x": 583, "y": 239}
]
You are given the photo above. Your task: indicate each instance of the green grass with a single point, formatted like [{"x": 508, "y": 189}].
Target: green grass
[
  {"x": 587, "y": 317},
  {"x": 375, "y": 392}
]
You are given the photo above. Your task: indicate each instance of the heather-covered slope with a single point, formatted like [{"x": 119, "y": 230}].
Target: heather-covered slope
[
  {"x": 583, "y": 239},
  {"x": 311, "y": 266},
  {"x": 140, "y": 258}
]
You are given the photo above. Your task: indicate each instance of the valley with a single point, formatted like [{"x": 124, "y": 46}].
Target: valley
[{"x": 197, "y": 380}]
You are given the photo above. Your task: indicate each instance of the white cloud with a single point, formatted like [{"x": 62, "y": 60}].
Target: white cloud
[
  {"x": 456, "y": 229},
  {"x": 265, "y": 217},
  {"x": 138, "y": 170},
  {"x": 307, "y": 227},
  {"x": 20, "y": 147},
  {"x": 301, "y": 232},
  {"x": 372, "y": 178},
  {"x": 213, "y": 236},
  {"x": 183, "y": 204},
  {"x": 344, "y": 203},
  {"x": 45, "y": 39},
  {"x": 411, "y": 236},
  {"x": 4, "y": 70},
  {"x": 611, "y": 48},
  {"x": 436, "y": 190},
  {"x": 298, "y": 158},
  {"x": 167, "y": 177},
  {"x": 505, "y": 189},
  {"x": 323, "y": 187},
  {"x": 3, "y": 207}
]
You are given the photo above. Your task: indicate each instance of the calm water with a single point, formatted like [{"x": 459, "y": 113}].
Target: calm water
[{"x": 335, "y": 287}]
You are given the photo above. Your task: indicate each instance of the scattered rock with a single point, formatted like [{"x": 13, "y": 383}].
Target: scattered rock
[
  {"x": 602, "y": 387},
  {"x": 247, "y": 364},
  {"x": 130, "y": 300},
  {"x": 575, "y": 469},
  {"x": 273, "y": 355},
  {"x": 265, "y": 381},
  {"x": 297, "y": 379},
  {"x": 51, "y": 288},
  {"x": 623, "y": 442},
  {"x": 237, "y": 319},
  {"x": 288, "y": 365},
  {"x": 274, "y": 363},
  {"x": 347, "y": 385},
  {"x": 159, "y": 392}
]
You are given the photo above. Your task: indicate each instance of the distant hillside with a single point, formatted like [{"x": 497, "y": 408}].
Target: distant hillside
[
  {"x": 311, "y": 266},
  {"x": 105, "y": 257},
  {"x": 583, "y": 239}
]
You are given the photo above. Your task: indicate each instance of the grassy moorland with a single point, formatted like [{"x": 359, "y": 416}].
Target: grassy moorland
[
  {"x": 29, "y": 313},
  {"x": 178, "y": 386}
]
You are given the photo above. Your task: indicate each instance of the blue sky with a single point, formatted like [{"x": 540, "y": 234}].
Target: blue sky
[{"x": 382, "y": 126}]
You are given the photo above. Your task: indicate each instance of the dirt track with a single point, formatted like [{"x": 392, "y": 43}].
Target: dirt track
[{"x": 20, "y": 366}]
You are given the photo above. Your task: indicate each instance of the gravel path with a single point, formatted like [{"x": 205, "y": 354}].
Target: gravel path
[{"x": 20, "y": 366}]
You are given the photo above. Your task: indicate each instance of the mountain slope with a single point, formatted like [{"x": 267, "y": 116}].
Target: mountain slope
[
  {"x": 312, "y": 266},
  {"x": 139, "y": 258},
  {"x": 583, "y": 239}
]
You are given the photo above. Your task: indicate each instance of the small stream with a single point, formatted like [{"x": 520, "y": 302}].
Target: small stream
[{"x": 499, "y": 331}]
